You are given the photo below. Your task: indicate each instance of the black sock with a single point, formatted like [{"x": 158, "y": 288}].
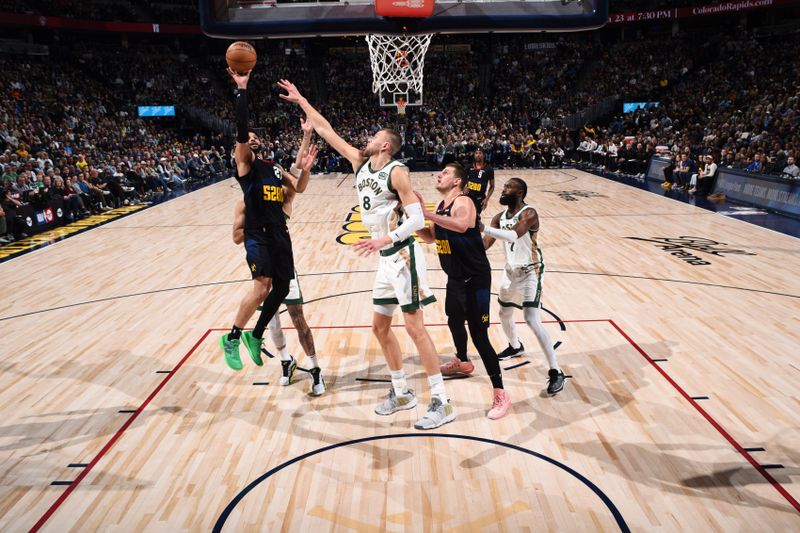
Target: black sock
[
  {"x": 280, "y": 288},
  {"x": 480, "y": 338},
  {"x": 459, "y": 333},
  {"x": 236, "y": 332}
]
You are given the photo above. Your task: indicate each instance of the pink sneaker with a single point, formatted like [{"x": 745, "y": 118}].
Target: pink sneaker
[
  {"x": 456, "y": 366},
  {"x": 501, "y": 404}
]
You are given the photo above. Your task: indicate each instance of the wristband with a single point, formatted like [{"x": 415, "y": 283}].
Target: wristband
[
  {"x": 242, "y": 133},
  {"x": 415, "y": 221}
]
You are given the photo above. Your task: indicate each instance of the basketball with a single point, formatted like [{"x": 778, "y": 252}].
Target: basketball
[{"x": 241, "y": 57}]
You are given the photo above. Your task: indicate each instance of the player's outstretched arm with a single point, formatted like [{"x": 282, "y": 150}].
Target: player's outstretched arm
[
  {"x": 461, "y": 219},
  {"x": 415, "y": 219},
  {"x": 300, "y": 183},
  {"x": 490, "y": 191},
  {"x": 243, "y": 153},
  {"x": 308, "y": 132},
  {"x": 488, "y": 240},
  {"x": 321, "y": 125},
  {"x": 528, "y": 221},
  {"x": 238, "y": 223}
]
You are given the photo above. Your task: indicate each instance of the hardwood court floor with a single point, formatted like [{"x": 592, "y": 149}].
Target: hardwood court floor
[{"x": 112, "y": 380}]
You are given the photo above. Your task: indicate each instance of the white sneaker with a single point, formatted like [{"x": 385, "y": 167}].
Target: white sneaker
[
  {"x": 394, "y": 403},
  {"x": 317, "y": 384},
  {"x": 438, "y": 415}
]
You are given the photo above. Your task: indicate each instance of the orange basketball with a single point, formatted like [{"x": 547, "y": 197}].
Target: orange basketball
[{"x": 241, "y": 57}]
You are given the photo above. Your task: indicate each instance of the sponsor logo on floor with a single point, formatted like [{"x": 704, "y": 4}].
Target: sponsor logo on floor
[
  {"x": 684, "y": 246},
  {"x": 574, "y": 195}
]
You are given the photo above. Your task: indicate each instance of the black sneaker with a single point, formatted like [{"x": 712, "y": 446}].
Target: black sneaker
[
  {"x": 318, "y": 384},
  {"x": 510, "y": 352},
  {"x": 555, "y": 381},
  {"x": 287, "y": 372}
]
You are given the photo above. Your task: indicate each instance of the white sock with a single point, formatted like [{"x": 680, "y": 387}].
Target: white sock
[
  {"x": 510, "y": 329},
  {"x": 399, "y": 381},
  {"x": 313, "y": 360},
  {"x": 285, "y": 355},
  {"x": 546, "y": 343},
  {"x": 436, "y": 382}
]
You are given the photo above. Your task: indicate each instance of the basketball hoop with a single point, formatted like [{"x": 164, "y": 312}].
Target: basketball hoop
[{"x": 397, "y": 62}]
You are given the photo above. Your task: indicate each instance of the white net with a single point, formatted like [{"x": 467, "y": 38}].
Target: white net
[{"x": 397, "y": 62}]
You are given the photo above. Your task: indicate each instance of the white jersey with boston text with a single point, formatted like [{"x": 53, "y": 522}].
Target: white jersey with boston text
[
  {"x": 525, "y": 250},
  {"x": 376, "y": 198}
]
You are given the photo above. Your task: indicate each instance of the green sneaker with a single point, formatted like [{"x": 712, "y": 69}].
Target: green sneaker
[
  {"x": 253, "y": 346},
  {"x": 230, "y": 349}
]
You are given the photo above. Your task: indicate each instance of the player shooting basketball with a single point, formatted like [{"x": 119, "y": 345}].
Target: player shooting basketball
[
  {"x": 265, "y": 234},
  {"x": 294, "y": 300}
]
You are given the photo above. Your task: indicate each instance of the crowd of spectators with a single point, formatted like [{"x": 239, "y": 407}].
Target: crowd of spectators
[
  {"x": 164, "y": 11},
  {"x": 115, "y": 10},
  {"x": 69, "y": 128},
  {"x": 742, "y": 118}
]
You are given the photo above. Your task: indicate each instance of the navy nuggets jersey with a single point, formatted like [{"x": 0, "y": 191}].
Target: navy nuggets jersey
[
  {"x": 266, "y": 236},
  {"x": 461, "y": 255},
  {"x": 478, "y": 183},
  {"x": 263, "y": 197}
]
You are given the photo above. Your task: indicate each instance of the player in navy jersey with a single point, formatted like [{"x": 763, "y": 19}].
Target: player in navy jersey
[
  {"x": 480, "y": 183},
  {"x": 266, "y": 236},
  {"x": 463, "y": 258}
]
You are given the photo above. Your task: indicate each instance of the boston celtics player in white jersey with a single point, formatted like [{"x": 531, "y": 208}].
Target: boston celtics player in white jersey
[
  {"x": 518, "y": 227},
  {"x": 384, "y": 187}
]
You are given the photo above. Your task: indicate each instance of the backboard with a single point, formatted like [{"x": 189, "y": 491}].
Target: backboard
[{"x": 255, "y": 19}]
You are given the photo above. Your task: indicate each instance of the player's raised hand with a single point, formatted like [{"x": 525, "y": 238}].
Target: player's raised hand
[
  {"x": 310, "y": 157},
  {"x": 240, "y": 79},
  {"x": 292, "y": 94},
  {"x": 306, "y": 125}
]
